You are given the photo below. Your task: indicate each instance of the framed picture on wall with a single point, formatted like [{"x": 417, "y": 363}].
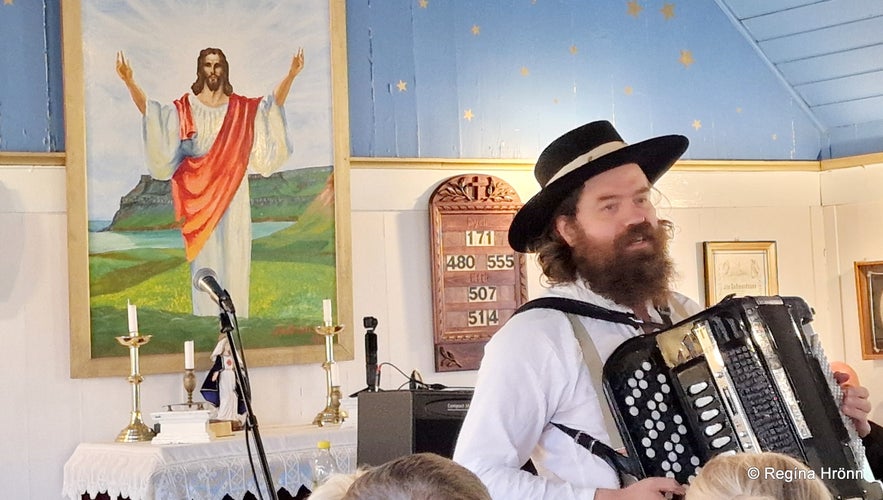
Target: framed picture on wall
[
  {"x": 206, "y": 136},
  {"x": 869, "y": 296},
  {"x": 741, "y": 268}
]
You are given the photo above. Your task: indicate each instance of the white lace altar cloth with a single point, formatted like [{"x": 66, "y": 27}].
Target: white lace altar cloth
[{"x": 203, "y": 471}]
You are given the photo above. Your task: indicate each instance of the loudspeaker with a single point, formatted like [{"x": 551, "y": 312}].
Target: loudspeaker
[{"x": 393, "y": 424}]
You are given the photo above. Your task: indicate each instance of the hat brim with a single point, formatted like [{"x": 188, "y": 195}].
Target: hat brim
[{"x": 655, "y": 156}]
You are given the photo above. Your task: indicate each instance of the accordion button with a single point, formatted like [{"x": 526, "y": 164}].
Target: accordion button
[
  {"x": 707, "y": 415},
  {"x": 703, "y": 401},
  {"x": 713, "y": 429},
  {"x": 720, "y": 442},
  {"x": 697, "y": 388}
]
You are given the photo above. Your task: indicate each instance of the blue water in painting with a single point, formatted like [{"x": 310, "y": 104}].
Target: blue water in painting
[{"x": 109, "y": 241}]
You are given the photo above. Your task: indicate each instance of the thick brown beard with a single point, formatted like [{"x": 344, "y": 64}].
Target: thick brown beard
[
  {"x": 214, "y": 86},
  {"x": 627, "y": 277}
]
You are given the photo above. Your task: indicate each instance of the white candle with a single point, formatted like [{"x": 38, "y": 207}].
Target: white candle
[
  {"x": 133, "y": 318},
  {"x": 326, "y": 312},
  {"x": 188, "y": 355}
]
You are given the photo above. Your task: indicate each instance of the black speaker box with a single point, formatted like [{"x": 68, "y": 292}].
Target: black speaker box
[{"x": 393, "y": 424}]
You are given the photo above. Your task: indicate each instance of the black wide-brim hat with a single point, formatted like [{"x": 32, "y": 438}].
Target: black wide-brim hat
[{"x": 576, "y": 157}]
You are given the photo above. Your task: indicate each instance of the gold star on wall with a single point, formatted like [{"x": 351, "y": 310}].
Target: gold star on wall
[
  {"x": 634, "y": 8},
  {"x": 686, "y": 58},
  {"x": 468, "y": 115},
  {"x": 402, "y": 85},
  {"x": 628, "y": 90},
  {"x": 697, "y": 124},
  {"x": 668, "y": 11},
  {"x": 738, "y": 110},
  {"x": 525, "y": 71},
  {"x": 476, "y": 29},
  {"x": 7, "y": 2},
  {"x": 775, "y": 137},
  {"x": 573, "y": 49},
  {"x": 424, "y": 4}
]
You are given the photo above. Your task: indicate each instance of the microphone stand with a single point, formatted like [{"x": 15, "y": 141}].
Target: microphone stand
[{"x": 251, "y": 421}]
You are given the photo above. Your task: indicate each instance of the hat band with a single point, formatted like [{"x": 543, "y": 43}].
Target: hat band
[{"x": 581, "y": 160}]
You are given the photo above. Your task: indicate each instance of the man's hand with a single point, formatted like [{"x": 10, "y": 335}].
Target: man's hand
[
  {"x": 124, "y": 70},
  {"x": 855, "y": 404},
  {"x": 650, "y": 488},
  {"x": 297, "y": 63}
]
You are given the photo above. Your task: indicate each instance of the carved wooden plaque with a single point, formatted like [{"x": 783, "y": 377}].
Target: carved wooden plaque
[{"x": 478, "y": 281}]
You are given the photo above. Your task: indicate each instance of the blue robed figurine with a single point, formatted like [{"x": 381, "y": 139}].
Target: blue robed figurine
[{"x": 220, "y": 388}]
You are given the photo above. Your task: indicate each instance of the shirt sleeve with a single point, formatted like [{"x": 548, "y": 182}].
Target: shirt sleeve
[
  {"x": 519, "y": 386},
  {"x": 874, "y": 449},
  {"x": 162, "y": 143},
  {"x": 271, "y": 145}
]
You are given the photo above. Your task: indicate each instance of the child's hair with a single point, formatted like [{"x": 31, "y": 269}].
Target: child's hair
[
  {"x": 756, "y": 476},
  {"x": 335, "y": 486},
  {"x": 422, "y": 476}
]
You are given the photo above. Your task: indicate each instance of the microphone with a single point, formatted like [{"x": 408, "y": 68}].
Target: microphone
[
  {"x": 371, "y": 371},
  {"x": 206, "y": 280}
]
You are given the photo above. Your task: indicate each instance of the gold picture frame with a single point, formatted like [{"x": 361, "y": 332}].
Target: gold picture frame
[
  {"x": 280, "y": 347},
  {"x": 869, "y": 297},
  {"x": 743, "y": 268}
]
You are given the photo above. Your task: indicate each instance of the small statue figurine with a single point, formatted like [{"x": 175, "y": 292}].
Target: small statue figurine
[{"x": 220, "y": 388}]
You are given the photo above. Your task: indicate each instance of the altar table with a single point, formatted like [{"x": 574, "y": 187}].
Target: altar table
[{"x": 204, "y": 471}]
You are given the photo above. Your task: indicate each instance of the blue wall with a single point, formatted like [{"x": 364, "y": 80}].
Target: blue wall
[
  {"x": 495, "y": 79},
  {"x": 31, "y": 114}
]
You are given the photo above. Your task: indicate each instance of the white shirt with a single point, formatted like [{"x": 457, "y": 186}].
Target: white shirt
[{"x": 533, "y": 374}]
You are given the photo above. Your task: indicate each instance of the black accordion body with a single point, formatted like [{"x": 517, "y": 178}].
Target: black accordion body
[{"x": 746, "y": 375}]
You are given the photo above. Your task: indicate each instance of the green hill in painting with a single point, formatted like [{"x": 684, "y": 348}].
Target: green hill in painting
[{"x": 283, "y": 196}]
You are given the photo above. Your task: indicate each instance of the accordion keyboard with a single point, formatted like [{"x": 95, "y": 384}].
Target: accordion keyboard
[{"x": 760, "y": 400}]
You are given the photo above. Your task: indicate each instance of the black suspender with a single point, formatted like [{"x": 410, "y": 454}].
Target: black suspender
[{"x": 580, "y": 308}]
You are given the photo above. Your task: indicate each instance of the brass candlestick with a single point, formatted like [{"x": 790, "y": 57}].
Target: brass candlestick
[
  {"x": 136, "y": 430},
  {"x": 189, "y": 385},
  {"x": 332, "y": 414}
]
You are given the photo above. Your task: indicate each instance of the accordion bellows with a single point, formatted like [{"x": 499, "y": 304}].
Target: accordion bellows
[{"x": 746, "y": 375}]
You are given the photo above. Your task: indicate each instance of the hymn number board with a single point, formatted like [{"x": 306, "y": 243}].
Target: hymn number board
[{"x": 478, "y": 280}]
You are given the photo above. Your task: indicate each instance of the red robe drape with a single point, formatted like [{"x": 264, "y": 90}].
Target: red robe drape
[{"x": 202, "y": 187}]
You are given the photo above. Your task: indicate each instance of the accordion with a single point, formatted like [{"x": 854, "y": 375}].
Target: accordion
[{"x": 746, "y": 375}]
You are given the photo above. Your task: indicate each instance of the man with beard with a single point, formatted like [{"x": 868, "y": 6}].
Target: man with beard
[
  {"x": 205, "y": 145},
  {"x": 600, "y": 244}
]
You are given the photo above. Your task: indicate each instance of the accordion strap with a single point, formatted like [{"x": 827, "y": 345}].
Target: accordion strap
[
  {"x": 593, "y": 362},
  {"x": 616, "y": 461}
]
